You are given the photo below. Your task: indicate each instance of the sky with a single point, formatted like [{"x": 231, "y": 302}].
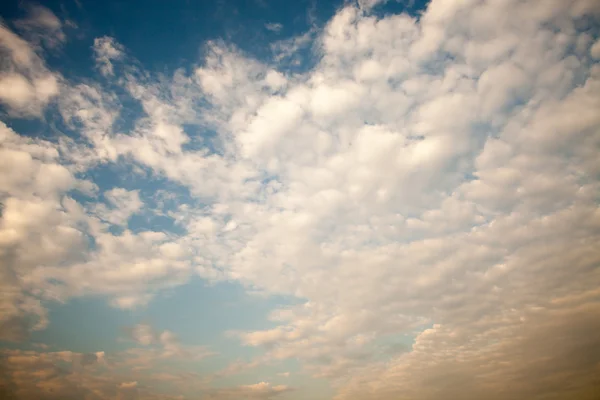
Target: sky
[{"x": 290, "y": 200}]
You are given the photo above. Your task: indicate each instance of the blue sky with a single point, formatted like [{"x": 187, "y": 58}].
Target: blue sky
[{"x": 327, "y": 200}]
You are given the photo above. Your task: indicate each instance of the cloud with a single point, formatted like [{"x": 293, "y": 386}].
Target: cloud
[
  {"x": 166, "y": 343},
  {"x": 239, "y": 366},
  {"x": 273, "y": 27},
  {"x": 34, "y": 209},
  {"x": 480, "y": 364},
  {"x": 143, "y": 334},
  {"x": 26, "y": 85},
  {"x": 262, "y": 390},
  {"x": 71, "y": 375},
  {"x": 290, "y": 49},
  {"x": 368, "y": 4},
  {"x": 367, "y": 179},
  {"x": 429, "y": 179},
  {"x": 41, "y": 26},
  {"x": 106, "y": 50},
  {"x": 123, "y": 203},
  {"x": 595, "y": 50}
]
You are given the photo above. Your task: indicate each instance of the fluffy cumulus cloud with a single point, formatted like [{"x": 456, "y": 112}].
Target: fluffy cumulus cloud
[
  {"x": 39, "y": 225},
  {"x": 427, "y": 192}
]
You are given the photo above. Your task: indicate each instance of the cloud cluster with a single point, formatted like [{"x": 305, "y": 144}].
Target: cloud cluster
[
  {"x": 39, "y": 225},
  {"x": 433, "y": 178},
  {"x": 28, "y": 375}
]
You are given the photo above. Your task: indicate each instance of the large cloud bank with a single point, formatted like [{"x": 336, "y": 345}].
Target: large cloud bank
[{"x": 434, "y": 178}]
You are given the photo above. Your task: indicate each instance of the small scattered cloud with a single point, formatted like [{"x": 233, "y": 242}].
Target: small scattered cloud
[
  {"x": 143, "y": 334},
  {"x": 122, "y": 204},
  {"x": 107, "y": 50},
  {"x": 369, "y": 4},
  {"x": 164, "y": 344},
  {"x": 274, "y": 27},
  {"x": 128, "y": 385}
]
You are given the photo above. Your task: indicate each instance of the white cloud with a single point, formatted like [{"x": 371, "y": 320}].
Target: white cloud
[
  {"x": 165, "y": 344},
  {"x": 273, "y": 27},
  {"x": 413, "y": 163},
  {"x": 122, "y": 204},
  {"x": 288, "y": 49},
  {"x": 106, "y": 50},
  {"x": 39, "y": 225},
  {"x": 41, "y": 26},
  {"x": 435, "y": 177},
  {"x": 26, "y": 85}
]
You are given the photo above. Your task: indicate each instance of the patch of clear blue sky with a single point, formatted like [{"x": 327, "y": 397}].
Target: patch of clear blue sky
[
  {"x": 199, "y": 313},
  {"x": 165, "y": 36}
]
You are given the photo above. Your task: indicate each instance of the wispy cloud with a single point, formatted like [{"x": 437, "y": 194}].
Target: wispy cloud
[
  {"x": 26, "y": 84},
  {"x": 273, "y": 27}
]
